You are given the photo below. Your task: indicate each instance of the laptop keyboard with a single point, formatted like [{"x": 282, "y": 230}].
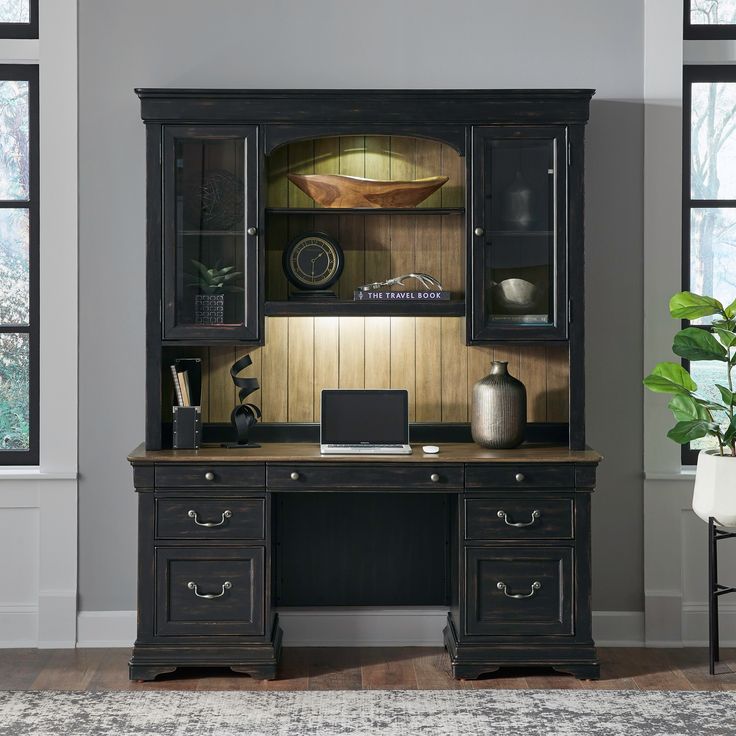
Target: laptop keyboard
[{"x": 366, "y": 447}]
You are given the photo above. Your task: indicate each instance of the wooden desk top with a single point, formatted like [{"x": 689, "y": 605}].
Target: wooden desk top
[{"x": 450, "y": 452}]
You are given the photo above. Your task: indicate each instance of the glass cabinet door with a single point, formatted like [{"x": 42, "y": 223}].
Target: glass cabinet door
[
  {"x": 210, "y": 264},
  {"x": 519, "y": 288}
]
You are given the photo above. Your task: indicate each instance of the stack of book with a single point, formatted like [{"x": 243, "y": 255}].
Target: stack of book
[{"x": 181, "y": 386}]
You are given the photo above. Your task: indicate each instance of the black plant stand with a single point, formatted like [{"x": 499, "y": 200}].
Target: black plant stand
[{"x": 715, "y": 590}]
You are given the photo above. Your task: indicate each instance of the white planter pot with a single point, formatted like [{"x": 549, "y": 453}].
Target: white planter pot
[{"x": 715, "y": 488}]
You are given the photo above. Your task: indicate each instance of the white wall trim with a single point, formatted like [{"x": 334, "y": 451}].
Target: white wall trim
[
  {"x": 18, "y": 625},
  {"x": 106, "y": 628},
  {"x": 417, "y": 627},
  {"x": 618, "y": 628},
  {"x": 40, "y": 503}
]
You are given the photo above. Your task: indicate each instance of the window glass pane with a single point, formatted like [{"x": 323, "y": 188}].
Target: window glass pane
[
  {"x": 706, "y": 374},
  {"x": 14, "y": 158},
  {"x": 14, "y": 392},
  {"x": 14, "y": 267},
  {"x": 15, "y": 11},
  {"x": 713, "y": 149},
  {"x": 713, "y": 254},
  {"x": 712, "y": 12}
]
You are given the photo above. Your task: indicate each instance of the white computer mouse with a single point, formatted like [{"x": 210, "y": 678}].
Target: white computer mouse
[{"x": 430, "y": 449}]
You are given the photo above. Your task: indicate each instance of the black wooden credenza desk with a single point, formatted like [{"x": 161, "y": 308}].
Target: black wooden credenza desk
[{"x": 501, "y": 537}]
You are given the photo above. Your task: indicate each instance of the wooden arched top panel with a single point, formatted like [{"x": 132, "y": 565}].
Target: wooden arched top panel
[{"x": 276, "y": 136}]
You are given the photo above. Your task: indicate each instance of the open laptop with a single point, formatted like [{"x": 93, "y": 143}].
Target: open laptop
[{"x": 364, "y": 422}]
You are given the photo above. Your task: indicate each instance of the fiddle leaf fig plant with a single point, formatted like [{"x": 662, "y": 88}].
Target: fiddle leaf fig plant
[
  {"x": 696, "y": 415},
  {"x": 215, "y": 280}
]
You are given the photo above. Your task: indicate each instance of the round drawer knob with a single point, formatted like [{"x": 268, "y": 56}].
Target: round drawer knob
[
  {"x": 252, "y": 231},
  {"x": 479, "y": 231},
  {"x": 520, "y": 477},
  {"x": 434, "y": 478},
  {"x": 209, "y": 475},
  {"x": 294, "y": 476}
]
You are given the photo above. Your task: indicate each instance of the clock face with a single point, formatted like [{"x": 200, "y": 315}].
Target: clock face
[{"x": 313, "y": 261}]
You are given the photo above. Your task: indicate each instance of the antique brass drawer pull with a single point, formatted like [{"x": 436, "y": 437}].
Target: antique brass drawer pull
[
  {"x": 536, "y": 585},
  {"x": 192, "y": 514},
  {"x": 536, "y": 514},
  {"x": 209, "y": 596}
]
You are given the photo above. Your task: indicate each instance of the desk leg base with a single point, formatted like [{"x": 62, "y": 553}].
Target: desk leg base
[
  {"x": 471, "y": 658},
  {"x": 259, "y": 660}
]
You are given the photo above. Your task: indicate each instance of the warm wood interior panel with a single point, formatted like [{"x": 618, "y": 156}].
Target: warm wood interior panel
[
  {"x": 426, "y": 355},
  {"x": 376, "y": 246}
]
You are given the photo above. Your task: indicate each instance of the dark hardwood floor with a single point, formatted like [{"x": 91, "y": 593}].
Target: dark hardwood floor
[{"x": 364, "y": 668}]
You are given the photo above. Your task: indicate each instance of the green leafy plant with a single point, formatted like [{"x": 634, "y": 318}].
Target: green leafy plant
[
  {"x": 215, "y": 280},
  {"x": 696, "y": 416}
]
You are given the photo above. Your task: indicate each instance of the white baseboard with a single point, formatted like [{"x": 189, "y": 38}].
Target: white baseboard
[
  {"x": 363, "y": 627},
  {"x": 106, "y": 628},
  {"x": 18, "y": 626},
  {"x": 695, "y": 624},
  {"x": 618, "y": 628},
  {"x": 57, "y": 619},
  {"x": 417, "y": 627}
]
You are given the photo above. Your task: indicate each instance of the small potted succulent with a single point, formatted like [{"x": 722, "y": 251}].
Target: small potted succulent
[
  {"x": 213, "y": 283},
  {"x": 705, "y": 410}
]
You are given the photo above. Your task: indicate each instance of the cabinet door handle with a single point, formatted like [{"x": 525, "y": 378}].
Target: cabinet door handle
[
  {"x": 209, "y": 476},
  {"x": 536, "y": 514},
  {"x": 434, "y": 478},
  {"x": 294, "y": 476},
  {"x": 479, "y": 231},
  {"x": 536, "y": 585},
  {"x": 209, "y": 596},
  {"x": 252, "y": 231},
  {"x": 192, "y": 514},
  {"x": 520, "y": 477}
]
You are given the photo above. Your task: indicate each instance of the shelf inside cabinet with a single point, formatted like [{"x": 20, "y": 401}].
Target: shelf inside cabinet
[
  {"x": 365, "y": 210},
  {"x": 349, "y": 308},
  {"x": 519, "y": 233}
]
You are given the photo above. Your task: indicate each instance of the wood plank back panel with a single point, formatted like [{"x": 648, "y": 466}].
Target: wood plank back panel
[
  {"x": 376, "y": 247},
  {"x": 426, "y": 355}
]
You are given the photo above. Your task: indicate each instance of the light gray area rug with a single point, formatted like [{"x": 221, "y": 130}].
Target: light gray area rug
[{"x": 367, "y": 713}]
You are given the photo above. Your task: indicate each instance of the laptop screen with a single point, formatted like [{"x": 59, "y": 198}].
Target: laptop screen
[{"x": 354, "y": 417}]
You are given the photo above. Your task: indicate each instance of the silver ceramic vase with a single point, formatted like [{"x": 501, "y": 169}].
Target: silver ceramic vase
[{"x": 499, "y": 409}]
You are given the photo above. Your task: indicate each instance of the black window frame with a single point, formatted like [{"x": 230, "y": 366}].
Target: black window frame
[
  {"x": 29, "y": 73},
  {"x": 22, "y": 30},
  {"x": 692, "y": 73},
  {"x": 704, "y": 31}
]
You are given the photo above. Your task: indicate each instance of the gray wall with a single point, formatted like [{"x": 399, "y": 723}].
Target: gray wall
[{"x": 351, "y": 43}]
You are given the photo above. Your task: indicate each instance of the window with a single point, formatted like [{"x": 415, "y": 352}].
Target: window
[
  {"x": 710, "y": 19},
  {"x": 18, "y": 265},
  {"x": 18, "y": 18},
  {"x": 709, "y": 199}
]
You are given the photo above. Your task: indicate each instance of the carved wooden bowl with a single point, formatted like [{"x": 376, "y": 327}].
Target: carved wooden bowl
[{"x": 335, "y": 190}]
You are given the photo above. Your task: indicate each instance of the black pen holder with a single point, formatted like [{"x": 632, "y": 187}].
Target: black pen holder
[{"x": 187, "y": 429}]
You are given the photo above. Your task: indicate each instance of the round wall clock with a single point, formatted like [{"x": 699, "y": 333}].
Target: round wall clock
[{"x": 313, "y": 261}]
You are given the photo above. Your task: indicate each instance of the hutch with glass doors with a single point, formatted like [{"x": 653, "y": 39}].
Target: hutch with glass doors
[{"x": 481, "y": 191}]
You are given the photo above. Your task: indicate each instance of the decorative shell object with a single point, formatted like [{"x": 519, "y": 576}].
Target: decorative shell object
[
  {"x": 499, "y": 409},
  {"x": 335, "y": 190}
]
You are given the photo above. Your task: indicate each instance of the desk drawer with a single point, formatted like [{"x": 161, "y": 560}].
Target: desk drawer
[
  {"x": 511, "y": 475},
  {"x": 210, "y": 476},
  {"x": 365, "y": 476},
  {"x": 518, "y": 517},
  {"x": 210, "y": 518},
  {"x": 519, "y": 591},
  {"x": 209, "y": 592}
]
